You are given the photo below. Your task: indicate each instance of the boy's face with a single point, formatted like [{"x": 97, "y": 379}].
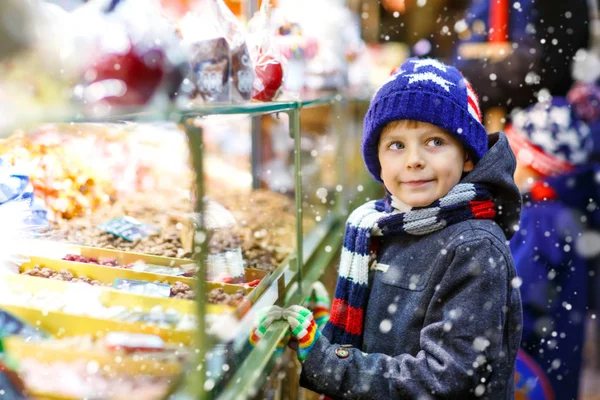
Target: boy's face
[{"x": 420, "y": 162}]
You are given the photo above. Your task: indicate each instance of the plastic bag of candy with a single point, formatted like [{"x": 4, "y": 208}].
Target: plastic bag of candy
[
  {"x": 267, "y": 58},
  {"x": 222, "y": 70}
]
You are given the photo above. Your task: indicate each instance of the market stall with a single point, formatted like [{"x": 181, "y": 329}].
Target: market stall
[{"x": 174, "y": 186}]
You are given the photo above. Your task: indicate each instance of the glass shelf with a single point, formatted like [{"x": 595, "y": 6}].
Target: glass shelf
[{"x": 171, "y": 112}]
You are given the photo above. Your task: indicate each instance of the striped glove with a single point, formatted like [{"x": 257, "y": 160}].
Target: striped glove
[
  {"x": 264, "y": 319},
  {"x": 304, "y": 329},
  {"x": 319, "y": 303}
]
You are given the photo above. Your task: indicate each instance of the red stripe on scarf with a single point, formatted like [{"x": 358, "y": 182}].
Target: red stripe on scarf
[
  {"x": 483, "y": 209},
  {"x": 348, "y": 318}
]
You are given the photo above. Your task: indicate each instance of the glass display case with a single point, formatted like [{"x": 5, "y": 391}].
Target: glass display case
[
  {"x": 171, "y": 198},
  {"x": 179, "y": 225}
]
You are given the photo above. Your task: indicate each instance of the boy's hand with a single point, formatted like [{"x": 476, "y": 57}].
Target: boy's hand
[
  {"x": 304, "y": 329},
  {"x": 264, "y": 319},
  {"x": 319, "y": 303}
]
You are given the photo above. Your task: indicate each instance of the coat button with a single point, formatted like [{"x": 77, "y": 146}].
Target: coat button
[{"x": 342, "y": 352}]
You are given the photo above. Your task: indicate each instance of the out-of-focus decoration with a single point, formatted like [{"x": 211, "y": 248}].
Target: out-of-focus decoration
[
  {"x": 319, "y": 53},
  {"x": 266, "y": 56},
  {"x": 585, "y": 100},
  {"x": 22, "y": 216},
  {"x": 320, "y": 50},
  {"x": 11, "y": 384},
  {"x": 76, "y": 168},
  {"x": 221, "y": 68},
  {"x": 531, "y": 383},
  {"x": 586, "y": 65},
  {"x": 85, "y": 382},
  {"x": 12, "y": 325},
  {"x": 394, "y": 5},
  {"x": 15, "y": 31},
  {"x": 497, "y": 46},
  {"x": 298, "y": 50},
  {"x": 61, "y": 178},
  {"x": 34, "y": 80},
  {"x": 498, "y": 29},
  {"x": 176, "y": 9},
  {"x": 138, "y": 57}
]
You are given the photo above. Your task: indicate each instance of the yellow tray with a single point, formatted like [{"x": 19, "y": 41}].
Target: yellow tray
[
  {"x": 125, "y": 257},
  {"x": 60, "y": 325},
  {"x": 107, "y": 275},
  {"x": 57, "y": 250},
  {"x": 112, "y": 297},
  {"x": 111, "y": 362}
]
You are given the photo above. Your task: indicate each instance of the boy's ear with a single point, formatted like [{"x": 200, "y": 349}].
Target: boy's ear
[{"x": 468, "y": 165}]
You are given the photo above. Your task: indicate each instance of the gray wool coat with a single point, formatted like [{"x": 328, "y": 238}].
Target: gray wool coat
[{"x": 443, "y": 319}]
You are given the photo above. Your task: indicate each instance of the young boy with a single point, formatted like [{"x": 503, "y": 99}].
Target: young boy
[
  {"x": 553, "y": 146},
  {"x": 439, "y": 316}
]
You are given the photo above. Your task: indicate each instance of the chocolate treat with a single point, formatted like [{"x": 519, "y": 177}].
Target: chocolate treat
[
  {"x": 211, "y": 69},
  {"x": 242, "y": 72}
]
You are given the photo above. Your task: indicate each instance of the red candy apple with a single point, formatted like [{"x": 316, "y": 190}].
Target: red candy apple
[
  {"x": 130, "y": 78},
  {"x": 269, "y": 77}
]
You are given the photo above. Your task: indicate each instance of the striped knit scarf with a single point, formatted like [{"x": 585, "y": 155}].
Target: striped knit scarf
[{"x": 377, "y": 218}]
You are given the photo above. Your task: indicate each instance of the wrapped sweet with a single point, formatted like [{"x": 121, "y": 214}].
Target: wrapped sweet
[
  {"x": 221, "y": 68},
  {"x": 59, "y": 177},
  {"x": 267, "y": 58},
  {"x": 210, "y": 71},
  {"x": 139, "y": 57}
]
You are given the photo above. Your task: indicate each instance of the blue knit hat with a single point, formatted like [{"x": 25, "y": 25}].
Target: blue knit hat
[
  {"x": 550, "y": 137},
  {"x": 425, "y": 90}
]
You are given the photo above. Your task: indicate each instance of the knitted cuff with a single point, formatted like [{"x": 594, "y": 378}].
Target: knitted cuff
[
  {"x": 264, "y": 319},
  {"x": 304, "y": 328},
  {"x": 319, "y": 303}
]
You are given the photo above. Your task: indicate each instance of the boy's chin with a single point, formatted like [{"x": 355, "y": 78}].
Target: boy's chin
[{"x": 416, "y": 201}]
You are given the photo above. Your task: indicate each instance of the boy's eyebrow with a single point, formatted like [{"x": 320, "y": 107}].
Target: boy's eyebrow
[
  {"x": 392, "y": 136},
  {"x": 399, "y": 136}
]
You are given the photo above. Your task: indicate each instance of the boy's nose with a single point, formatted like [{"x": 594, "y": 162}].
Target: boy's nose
[{"x": 414, "y": 159}]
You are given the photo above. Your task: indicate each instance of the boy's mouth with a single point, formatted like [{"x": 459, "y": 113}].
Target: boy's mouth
[{"x": 416, "y": 183}]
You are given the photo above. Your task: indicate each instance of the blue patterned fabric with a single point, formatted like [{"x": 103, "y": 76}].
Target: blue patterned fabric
[
  {"x": 15, "y": 186},
  {"x": 556, "y": 130}
]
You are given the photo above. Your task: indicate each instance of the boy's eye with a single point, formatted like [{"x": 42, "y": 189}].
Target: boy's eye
[
  {"x": 435, "y": 142},
  {"x": 395, "y": 146}
]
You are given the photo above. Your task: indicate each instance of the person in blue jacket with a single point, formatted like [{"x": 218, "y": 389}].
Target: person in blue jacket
[
  {"x": 561, "y": 193},
  {"x": 426, "y": 304}
]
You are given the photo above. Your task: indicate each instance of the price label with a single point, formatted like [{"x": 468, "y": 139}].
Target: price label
[
  {"x": 128, "y": 228},
  {"x": 143, "y": 287},
  {"x": 157, "y": 269},
  {"x": 11, "y": 325}
]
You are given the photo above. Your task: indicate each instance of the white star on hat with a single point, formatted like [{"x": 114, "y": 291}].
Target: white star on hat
[
  {"x": 430, "y": 77},
  {"x": 429, "y": 62}
]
